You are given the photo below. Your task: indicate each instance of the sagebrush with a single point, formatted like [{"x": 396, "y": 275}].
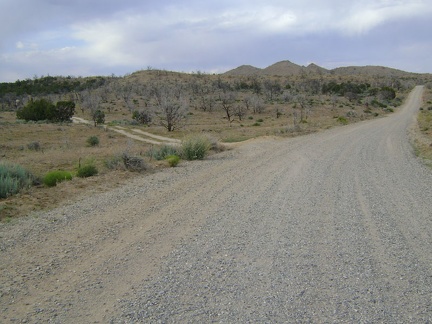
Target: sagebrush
[{"x": 13, "y": 178}]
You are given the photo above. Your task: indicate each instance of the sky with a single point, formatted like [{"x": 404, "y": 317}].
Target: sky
[{"x": 106, "y": 37}]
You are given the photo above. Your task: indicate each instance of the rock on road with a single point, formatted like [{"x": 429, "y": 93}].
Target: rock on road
[{"x": 329, "y": 227}]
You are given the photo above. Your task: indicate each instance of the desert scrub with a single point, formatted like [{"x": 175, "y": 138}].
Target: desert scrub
[
  {"x": 173, "y": 160},
  {"x": 195, "y": 147},
  {"x": 34, "y": 146},
  {"x": 342, "y": 120},
  {"x": 133, "y": 163},
  {"x": 13, "y": 178},
  {"x": 93, "y": 141},
  {"x": 52, "y": 178},
  {"x": 87, "y": 170},
  {"x": 162, "y": 152},
  {"x": 114, "y": 163}
]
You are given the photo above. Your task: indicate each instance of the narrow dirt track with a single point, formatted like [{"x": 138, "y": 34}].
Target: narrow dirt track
[{"x": 331, "y": 227}]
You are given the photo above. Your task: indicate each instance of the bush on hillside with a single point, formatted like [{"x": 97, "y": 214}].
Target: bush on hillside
[
  {"x": 195, "y": 147},
  {"x": 13, "y": 178},
  {"x": 52, "y": 178},
  {"x": 86, "y": 171}
]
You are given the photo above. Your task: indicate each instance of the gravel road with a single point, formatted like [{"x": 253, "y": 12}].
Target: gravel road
[{"x": 329, "y": 227}]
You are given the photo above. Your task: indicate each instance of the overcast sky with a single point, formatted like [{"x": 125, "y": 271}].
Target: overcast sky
[{"x": 104, "y": 37}]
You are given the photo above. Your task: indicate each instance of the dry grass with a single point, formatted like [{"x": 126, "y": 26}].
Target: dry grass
[
  {"x": 423, "y": 131},
  {"x": 63, "y": 146}
]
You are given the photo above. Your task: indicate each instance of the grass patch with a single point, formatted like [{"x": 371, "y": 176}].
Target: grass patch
[
  {"x": 235, "y": 139},
  {"x": 173, "y": 160},
  {"x": 342, "y": 120},
  {"x": 162, "y": 152},
  {"x": 86, "y": 171},
  {"x": 52, "y": 178},
  {"x": 195, "y": 147}
]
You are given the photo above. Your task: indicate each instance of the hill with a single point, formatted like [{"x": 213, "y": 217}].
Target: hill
[{"x": 287, "y": 68}]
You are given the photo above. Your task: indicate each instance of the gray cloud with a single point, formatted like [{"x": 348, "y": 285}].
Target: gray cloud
[{"x": 109, "y": 36}]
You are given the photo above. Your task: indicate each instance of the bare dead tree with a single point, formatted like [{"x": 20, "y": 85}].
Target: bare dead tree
[
  {"x": 227, "y": 101},
  {"x": 304, "y": 105},
  {"x": 91, "y": 101},
  {"x": 126, "y": 92},
  {"x": 271, "y": 88},
  {"x": 240, "y": 111},
  {"x": 170, "y": 105}
]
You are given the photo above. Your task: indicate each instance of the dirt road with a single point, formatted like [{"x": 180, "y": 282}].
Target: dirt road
[{"x": 331, "y": 227}]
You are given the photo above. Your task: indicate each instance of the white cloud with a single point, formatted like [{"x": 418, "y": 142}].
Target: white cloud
[
  {"x": 126, "y": 35},
  {"x": 364, "y": 18}
]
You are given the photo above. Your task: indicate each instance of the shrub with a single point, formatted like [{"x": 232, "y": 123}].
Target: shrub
[
  {"x": 13, "y": 178},
  {"x": 64, "y": 110},
  {"x": 195, "y": 147},
  {"x": 52, "y": 178},
  {"x": 161, "y": 152},
  {"x": 115, "y": 162},
  {"x": 34, "y": 146},
  {"x": 98, "y": 117},
  {"x": 173, "y": 160},
  {"x": 86, "y": 171},
  {"x": 35, "y": 110},
  {"x": 93, "y": 141},
  {"x": 133, "y": 163},
  {"x": 142, "y": 117},
  {"x": 342, "y": 120}
]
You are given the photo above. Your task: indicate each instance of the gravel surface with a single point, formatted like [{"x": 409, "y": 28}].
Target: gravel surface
[{"x": 330, "y": 227}]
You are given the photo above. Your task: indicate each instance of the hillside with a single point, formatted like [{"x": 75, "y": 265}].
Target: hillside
[{"x": 287, "y": 68}]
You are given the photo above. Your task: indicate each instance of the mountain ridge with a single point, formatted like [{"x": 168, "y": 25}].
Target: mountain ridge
[{"x": 288, "y": 68}]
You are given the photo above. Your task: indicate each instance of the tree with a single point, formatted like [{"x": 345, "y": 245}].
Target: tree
[
  {"x": 386, "y": 93},
  {"x": 142, "y": 116},
  {"x": 272, "y": 88},
  {"x": 170, "y": 105},
  {"x": 255, "y": 103},
  {"x": 64, "y": 110},
  {"x": 227, "y": 101},
  {"x": 98, "y": 117},
  {"x": 41, "y": 109}
]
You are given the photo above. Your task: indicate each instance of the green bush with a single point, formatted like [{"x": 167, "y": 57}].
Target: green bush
[
  {"x": 161, "y": 152},
  {"x": 93, "y": 141},
  {"x": 52, "y": 178},
  {"x": 36, "y": 110},
  {"x": 98, "y": 117},
  {"x": 13, "y": 178},
  {"x": 173, "y": 160},
  {"x": 342, "y": 120},
  {"x": 43, "y": 109},
  {"x": 86, "y": 171},
  {"x": 195, "y": 147}
]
